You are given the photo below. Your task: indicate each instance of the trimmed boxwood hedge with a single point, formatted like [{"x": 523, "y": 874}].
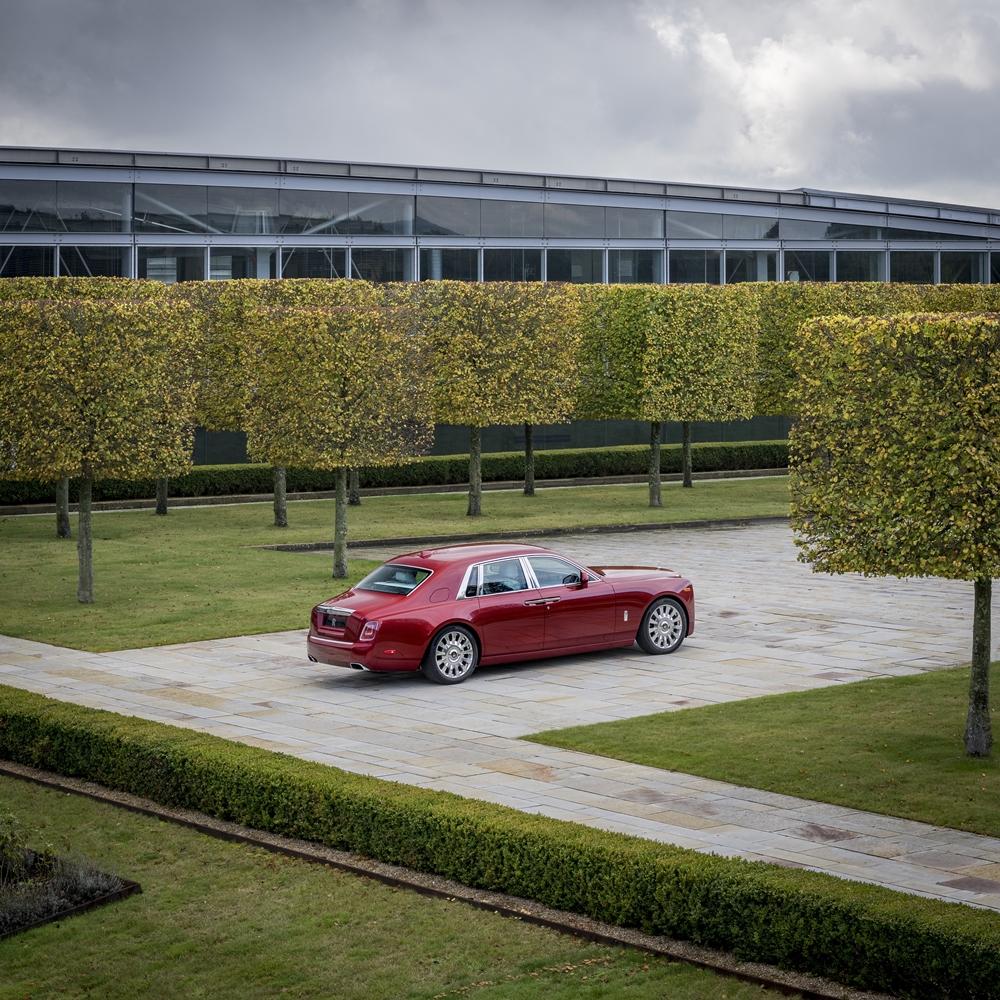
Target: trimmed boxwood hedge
[
  {"x": 856, "y": 933},
  {"x": 569, "y": 463}
]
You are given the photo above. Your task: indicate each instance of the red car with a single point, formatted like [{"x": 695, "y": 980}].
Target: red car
[{"x": 444, "y": 611}]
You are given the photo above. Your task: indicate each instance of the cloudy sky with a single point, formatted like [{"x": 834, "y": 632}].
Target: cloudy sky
[{"x": 877, "y": 96}]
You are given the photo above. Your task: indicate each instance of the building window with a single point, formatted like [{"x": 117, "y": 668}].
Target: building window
[
  {"x": 313, "y": 262},
  {"x": 635, "y": 267},
  {"x": 92, "y": 262},
  {"x": 172, "y": 264},
  {"x": 689, "y": 267},
  {"x": 577, "y": 266},
  {"x": 171, "y": 208},
  {"x": 513, "y": 219},
  {"x": 807, "y": 265},
  {"x": 447, "y": 216},
  {"x": 380, "y": 214},
  {"x": 26, "y": 262},
  {"x": 860, "y": 265},
  {"x": 242, "y": 262},
  {"x": 913, "y": 267},
  {"x": 512, "y": 265},
  {"x": 65, "y": 206},
  {"x": 749, "y": 227},
  {"x": 574, "y": 221},
  {"x": 995, "y": 268},
  {"x": 808, "y": 229},
  {"x": 694, "y": 226},
  {"x": 449, "y": 264},
  {"x": 751, "y": 265},
  {"x": 312, "y": 213},
  {"x": 634, "y": 223},
  {"x": 250, "y": 211},
  {"x": 962, "y": 268},
  {"x": 382, "y": 265}
]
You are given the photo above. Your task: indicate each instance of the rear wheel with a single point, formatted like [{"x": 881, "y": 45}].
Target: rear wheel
[
  {"x": 663, "y": 627},
  {"x": 452, "y": 656}
]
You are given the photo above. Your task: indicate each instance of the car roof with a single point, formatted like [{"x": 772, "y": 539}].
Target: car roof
[{"x": 466, "y": 553}]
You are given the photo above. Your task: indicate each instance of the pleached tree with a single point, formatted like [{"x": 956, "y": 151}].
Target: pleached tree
[
  {"x": 96, "y": 389},
  {"x": 335, "y": 387}
]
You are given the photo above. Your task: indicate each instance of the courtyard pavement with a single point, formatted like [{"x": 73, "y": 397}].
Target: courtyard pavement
[{"x": 766, "y": 624}]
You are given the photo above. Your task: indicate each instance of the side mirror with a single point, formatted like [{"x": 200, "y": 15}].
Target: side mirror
[{"x": 575, "y": 580}]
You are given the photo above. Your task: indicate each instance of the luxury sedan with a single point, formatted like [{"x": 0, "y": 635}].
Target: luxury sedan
[{"x": 445, "y": 611}]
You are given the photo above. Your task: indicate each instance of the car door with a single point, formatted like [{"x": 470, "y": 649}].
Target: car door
[
  {"x": 575, "y": 615},
  {"x": 509, "y": 618}
]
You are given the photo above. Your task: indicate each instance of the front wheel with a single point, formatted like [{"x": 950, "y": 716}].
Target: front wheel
[
  {"x": 452, "y": 656},
  {"x": 663, "y": 627}
]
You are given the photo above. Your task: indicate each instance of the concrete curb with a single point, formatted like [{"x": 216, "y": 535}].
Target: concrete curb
[
  {"x": 14, "y": 510},
  {"x": 801, "y": 984}
]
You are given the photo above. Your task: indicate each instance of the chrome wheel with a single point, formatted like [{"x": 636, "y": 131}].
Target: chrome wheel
[
  {"x": 454, "y": 654},
  {"x": 665, "y": 626}
]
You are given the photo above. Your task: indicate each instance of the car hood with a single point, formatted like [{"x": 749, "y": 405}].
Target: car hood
[
  {"x": 634, "y": 572},
  {"x": 365, "y": 604}
]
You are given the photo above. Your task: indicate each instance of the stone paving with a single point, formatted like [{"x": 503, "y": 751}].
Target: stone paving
[{"x": 766, "y": 624}]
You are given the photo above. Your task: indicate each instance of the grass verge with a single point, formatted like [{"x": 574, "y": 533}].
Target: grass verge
[
  {"x": 195, "y": 574},
  {"x": 265, "y": 925},
  {"x": 891, "y": 746},
  {"x": 861, "y": 934}
]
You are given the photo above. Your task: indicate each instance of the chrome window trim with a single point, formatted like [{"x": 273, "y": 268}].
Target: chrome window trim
[{"x": 529, "y": 578}]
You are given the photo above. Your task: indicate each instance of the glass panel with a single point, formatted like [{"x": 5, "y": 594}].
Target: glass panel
[
  {"x": 923, "y": 234},
  {"x": 242, "y": 210},
  {"x": 242, "y": 262},
  {"x": 635, "y": 267},
  {"x": 995, "y": 268},
  {"x": 806, "y": 229},
  {"x": 312, "y": 212},
  {"x": 447, "y": 216},
  {"x": 689, "y": 267},
  {"x": 502, "y": 577},
  {"x": 171, "y": 208},
  {"x": 915, "y": 267},
  {"x": 449, "y": 263},
  {"x": 380, "y": 214},
  {"x": 962, "y": 268},
  {"x": 511, "y": 218},
  {"x": 172, "y": 264},
  {"x": 860, "y": 265},
  {"x": 634, "y": 223},
  {"x": 28, "y": 207},
  {"x": 576, "y": 221},
  {"x": 382, "y": 265},
  {"x": 512, "y": 265},
  {"x": 26, "y": 262},
  {"x": 807, "y": 265},
  {"x": 313, "y": 262},
  {"x": 751, "y": 265},
  {"x": 694, "y": 226},
  {"x": 393, "y": 578},
  {"x": 86, "y": 207},
  {"x": 578, "y": 266},
  {"x": 553, "y": 572},
  {"x": 749, "y": 227},
  {"x": 89, "y": 262}
]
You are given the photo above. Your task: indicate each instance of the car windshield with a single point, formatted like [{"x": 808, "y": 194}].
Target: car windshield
[{"x": 393, "y": 578}]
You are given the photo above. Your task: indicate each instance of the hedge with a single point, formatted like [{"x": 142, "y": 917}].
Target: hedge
[
  {"x": 860, "y": 934},
  {"x": 230, "y": 480}
]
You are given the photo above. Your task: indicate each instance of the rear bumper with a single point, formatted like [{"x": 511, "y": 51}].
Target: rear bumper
[{"x": 370, "y": 655}]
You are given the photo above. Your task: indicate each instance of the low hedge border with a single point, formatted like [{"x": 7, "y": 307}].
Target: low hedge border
[
  {"x": 860, "y": 934},
  {"x": 569, "y": 463}
]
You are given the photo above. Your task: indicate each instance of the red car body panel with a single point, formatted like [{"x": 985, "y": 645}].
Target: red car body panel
[{"x": 530, "y": 624}]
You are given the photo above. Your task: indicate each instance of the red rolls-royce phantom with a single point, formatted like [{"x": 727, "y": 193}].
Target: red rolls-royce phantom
[{"x": 444, "y": 611}]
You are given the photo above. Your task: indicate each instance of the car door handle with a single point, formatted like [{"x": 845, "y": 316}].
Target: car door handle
[{"x": 542, "y": 600}]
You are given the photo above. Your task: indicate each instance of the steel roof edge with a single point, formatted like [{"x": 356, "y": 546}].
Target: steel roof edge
[{"x": 815, "y": 197}]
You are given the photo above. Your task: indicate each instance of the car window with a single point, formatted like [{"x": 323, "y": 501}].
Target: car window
[
  {"x": 502, "y": 577},
  {"x": 393, "y": 578},
  {"x": 551, "y": 571}
]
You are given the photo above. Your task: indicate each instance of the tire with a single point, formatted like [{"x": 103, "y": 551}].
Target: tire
[
  {"x": 663, "y": 626},
  {"x": 452, "y": 656}
]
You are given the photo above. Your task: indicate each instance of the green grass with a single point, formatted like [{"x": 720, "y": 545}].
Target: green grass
[
  {"x": 225, "y": 920},
  {"x": 195, "y": 574},
  {"x": 890, "y": 746}
]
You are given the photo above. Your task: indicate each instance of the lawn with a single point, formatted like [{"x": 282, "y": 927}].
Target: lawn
[
  {"x": 196, "y": 574},
  {"x": 217, "y": 919},
  {"x": 890, "y": 746}
]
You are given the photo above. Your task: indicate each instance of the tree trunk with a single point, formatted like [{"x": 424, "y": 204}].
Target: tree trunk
[
  {"x": 84, "y": 546},
  {"x": 686, "y": 451},
  {"x": 978, "y": 734},
  {"x": 529, "y": 460},
  {"x": 280, "y": 498},
  {"x": 475, "y": 472},
  {"x": 354, "y": 489},
  {"x": 655, "y": 498},
  {"x": 162, "y": 486},
  {"x": 63, "y": 529},
  {"x": 340, "y": 527}
]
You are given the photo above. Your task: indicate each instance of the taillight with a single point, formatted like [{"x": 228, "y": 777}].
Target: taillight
[{"x": 368, "y": 632}]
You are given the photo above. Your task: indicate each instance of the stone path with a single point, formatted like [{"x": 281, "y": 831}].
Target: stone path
[{"x": 766, "y": 624}]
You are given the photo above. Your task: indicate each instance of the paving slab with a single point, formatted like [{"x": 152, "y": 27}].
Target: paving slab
[{"x": 766, "y": 624}]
